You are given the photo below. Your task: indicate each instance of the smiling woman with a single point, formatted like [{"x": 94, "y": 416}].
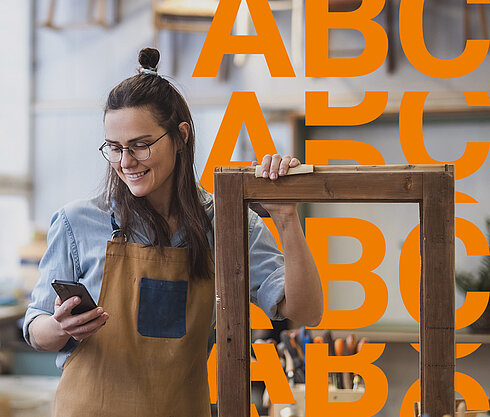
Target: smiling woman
[
  {"x": 142, "y": 351},
  {"x": 144, "y": 164},
  {"x": 144, "y": 107}
]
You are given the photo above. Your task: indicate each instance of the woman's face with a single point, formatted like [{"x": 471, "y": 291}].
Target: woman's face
[{"x": 153, "y": 177}]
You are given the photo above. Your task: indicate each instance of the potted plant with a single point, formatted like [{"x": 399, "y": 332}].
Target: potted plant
[{"x": 480, "y": 281}]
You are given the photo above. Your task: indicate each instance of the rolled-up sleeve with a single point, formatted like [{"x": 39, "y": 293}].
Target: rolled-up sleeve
[
  {"x": 57, "y": 263},
  {"x": 266, "y": 268}
]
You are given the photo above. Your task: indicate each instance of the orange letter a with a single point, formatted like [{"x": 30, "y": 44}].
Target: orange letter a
[
  {"x": 242, "y": 108},
  {"x": 219, "y": 40}
]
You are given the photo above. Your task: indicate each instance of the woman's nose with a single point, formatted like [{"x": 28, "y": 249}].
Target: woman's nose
[{"x": 127, "y": 160}]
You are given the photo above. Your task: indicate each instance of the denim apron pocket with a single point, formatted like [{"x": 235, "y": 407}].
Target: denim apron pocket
[{"x": 162, "y": 305}]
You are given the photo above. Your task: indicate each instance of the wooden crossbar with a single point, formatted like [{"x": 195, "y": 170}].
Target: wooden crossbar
[{"x": 431, "y": 186}]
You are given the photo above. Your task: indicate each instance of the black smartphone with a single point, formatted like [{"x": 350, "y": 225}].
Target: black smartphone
[{"x": 68, "y": 289}]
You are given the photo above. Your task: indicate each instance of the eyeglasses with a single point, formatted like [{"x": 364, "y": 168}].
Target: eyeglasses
[{"x": 138, "y": 150}]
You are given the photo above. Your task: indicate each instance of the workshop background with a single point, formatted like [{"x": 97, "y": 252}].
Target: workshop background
[{"x": 60, "y": 58}]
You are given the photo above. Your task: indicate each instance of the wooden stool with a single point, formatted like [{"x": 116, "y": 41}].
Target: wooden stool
[
  {"x": 181, "y": 16},
  {"x": 96, "y": 15}
]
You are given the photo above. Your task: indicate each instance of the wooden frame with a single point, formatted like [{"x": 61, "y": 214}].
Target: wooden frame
[{"x": 431, "y": 186}]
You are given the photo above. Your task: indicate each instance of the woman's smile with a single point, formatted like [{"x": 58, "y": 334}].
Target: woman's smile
[{"x": 136, "y": 176}]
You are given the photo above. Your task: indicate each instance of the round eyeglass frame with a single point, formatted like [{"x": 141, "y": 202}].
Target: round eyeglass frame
[{"x": 121, "y": 149}]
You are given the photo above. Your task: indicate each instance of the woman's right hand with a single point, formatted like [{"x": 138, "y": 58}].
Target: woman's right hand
[{"x": 79, "y": 326}]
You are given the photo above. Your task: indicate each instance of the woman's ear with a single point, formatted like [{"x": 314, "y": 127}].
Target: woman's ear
[{"x": 184, "y": 130}]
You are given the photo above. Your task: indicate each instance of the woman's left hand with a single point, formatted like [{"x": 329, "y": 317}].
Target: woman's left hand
[
  {"x": 303, "y": 300},
  {"x": 274, "y": 167}
]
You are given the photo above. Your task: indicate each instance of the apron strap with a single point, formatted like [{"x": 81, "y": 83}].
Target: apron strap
[{"x": 116, "y": 230}]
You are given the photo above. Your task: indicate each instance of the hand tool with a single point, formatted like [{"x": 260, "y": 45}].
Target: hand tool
[
  {"x": 351, "y": 349},
  {"x": 299, "y": 373},
  {"x": 289, "y": 368},
  {"x": 285, "y": 338},
  {"x": 357, "y": 379},
  {"x": 297, "y": 347},
  {"x": 327, "y": 337},
  {"x": 280, "y": 352},
  {"x": 360, "y": 343},
  {"x": 351, "y": 344},
  {"x": 303, "y": 337},
  {"x": 356, "y": 382},
  {"x": 339, "y": 351},
  {"x": 319, "y": 339}
]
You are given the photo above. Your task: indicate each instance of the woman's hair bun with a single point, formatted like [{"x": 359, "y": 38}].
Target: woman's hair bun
[{"x": 148, "y": 58}]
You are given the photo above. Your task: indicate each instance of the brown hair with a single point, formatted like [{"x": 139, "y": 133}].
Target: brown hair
[{"x": 151, "y": 91}]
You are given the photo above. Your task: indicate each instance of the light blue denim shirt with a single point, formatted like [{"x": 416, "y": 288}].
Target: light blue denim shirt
[{"x": 77, "y": 241}]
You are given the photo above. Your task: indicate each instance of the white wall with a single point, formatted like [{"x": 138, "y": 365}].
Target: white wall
[{"x": 14, "y": 131}]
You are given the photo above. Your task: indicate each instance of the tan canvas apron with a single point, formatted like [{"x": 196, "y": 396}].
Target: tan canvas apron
[{"x": 150, "y": 357}]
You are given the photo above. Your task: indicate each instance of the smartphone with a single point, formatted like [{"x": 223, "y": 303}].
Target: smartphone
[{"x": 68, "y": 289}]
